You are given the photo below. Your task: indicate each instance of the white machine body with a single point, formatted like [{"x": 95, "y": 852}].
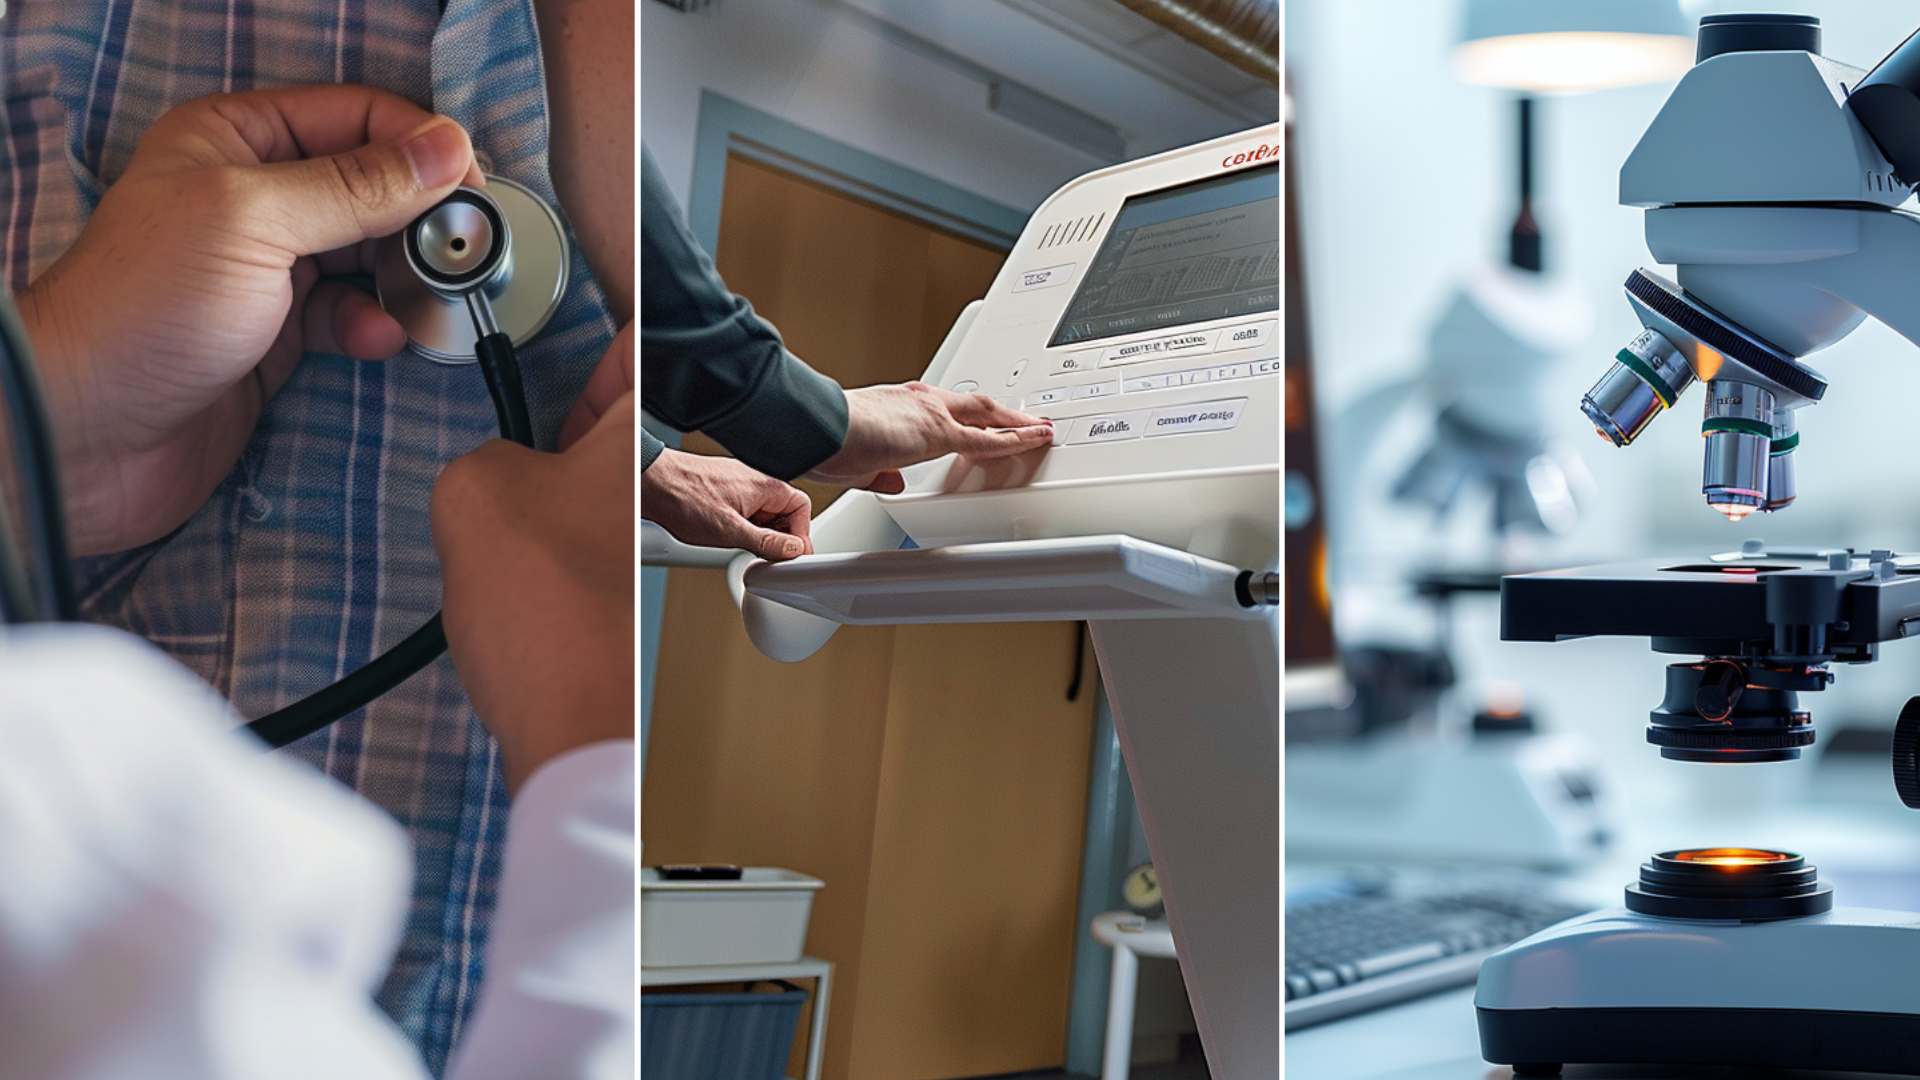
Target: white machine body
[
  {"x": 1774, "y": 204},
  {"x": 1827, "y": 991},
  {"x": 1857, "y": 959},
  {"x": 1138, "y": 311}
]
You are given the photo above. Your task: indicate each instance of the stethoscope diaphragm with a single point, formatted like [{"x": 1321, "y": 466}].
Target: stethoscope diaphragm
[{"x": 507, "y": 238}]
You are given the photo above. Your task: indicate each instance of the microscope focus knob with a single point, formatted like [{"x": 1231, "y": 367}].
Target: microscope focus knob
[{"x": 1906, "y": 745}]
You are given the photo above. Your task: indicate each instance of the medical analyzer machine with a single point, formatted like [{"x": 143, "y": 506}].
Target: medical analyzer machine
[
  {"x": 1772, "y": 179},
  {"x": 1139, "y": 311}
]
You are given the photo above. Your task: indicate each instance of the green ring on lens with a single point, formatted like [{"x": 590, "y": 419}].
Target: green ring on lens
[
  {"x": 1665, "y": 393},
  {"x": 1737, "y": 423},
  {"x": 1786, "y": 445}
]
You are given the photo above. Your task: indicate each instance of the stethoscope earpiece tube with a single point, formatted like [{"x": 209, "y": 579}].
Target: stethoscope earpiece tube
[{"x": 41, "y": 589}]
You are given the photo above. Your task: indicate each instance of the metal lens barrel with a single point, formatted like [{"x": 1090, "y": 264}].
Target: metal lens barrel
[
  {"x": 1739, "y": 433},
  {"x": 1781, "y": 485},
  {"x": 1647, "y": 376}
]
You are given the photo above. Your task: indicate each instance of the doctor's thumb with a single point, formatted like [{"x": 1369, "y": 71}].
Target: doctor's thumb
[
  {"x": 369, "y": 191},
  {"x": 774, "y": 546}
]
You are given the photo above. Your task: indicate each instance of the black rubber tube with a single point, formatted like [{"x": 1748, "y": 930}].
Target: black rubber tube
[
  {"x": 422, "y": 647},
  {"x": 47, "y": 579}
]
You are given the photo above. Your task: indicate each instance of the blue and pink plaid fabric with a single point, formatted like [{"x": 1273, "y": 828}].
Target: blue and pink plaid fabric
[{"x": 314, "y": 555}]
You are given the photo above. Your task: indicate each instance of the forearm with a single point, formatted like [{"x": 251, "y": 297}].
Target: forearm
[
  {"x": 711, "y": 365},
  {"x": 588, "y": 49}
]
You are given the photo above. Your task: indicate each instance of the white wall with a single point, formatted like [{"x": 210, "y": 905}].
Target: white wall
[{"x": 1406, "y": 179}]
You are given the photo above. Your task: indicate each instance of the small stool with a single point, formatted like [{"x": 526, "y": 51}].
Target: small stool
[{"x": 1131, "y": 937}]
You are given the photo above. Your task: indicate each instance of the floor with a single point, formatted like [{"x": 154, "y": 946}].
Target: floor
[{"x": 1191, "y": 1065}]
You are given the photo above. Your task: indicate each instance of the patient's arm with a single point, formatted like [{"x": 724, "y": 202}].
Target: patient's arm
[{"x": 588, "y": 47}]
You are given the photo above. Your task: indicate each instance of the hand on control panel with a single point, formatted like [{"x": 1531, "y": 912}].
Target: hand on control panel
[
  {"x": 719, "y": 502},
  {"x": 890, "y": 427}
]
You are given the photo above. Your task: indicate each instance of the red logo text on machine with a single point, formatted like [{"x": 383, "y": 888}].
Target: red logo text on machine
[{"x": 1248, "y": 157}]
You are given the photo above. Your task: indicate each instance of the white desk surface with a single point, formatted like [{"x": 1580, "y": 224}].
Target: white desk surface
[{"x": 1870, "y": 853}]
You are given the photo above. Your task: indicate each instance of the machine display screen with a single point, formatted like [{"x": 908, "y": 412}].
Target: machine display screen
[{"x": 1200, "y": 251}]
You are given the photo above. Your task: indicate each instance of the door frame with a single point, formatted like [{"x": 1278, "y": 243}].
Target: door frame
[{"x": 725, "y": 127}]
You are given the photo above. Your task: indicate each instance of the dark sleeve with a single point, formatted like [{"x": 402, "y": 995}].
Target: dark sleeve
[
  {"x": 709, "y": 364},
  {"x": 650, "y": 448}
]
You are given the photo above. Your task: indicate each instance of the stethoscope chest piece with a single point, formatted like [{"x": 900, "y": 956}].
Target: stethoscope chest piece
[{"x": 506, "y": 243}]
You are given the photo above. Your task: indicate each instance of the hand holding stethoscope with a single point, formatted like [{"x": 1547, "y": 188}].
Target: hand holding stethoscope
[{"x": 198, "y": 284}]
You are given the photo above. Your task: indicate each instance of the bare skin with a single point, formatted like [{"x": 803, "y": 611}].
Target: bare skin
[
  {"x": 588, "y": 49},
  {"x": 213, "y": 245}
]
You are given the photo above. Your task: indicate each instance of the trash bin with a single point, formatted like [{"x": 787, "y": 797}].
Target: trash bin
[{"x": 719, "y": 1036}]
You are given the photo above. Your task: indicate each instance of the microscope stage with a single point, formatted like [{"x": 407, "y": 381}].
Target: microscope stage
[
  {"x": 1715, "y": 604},
  {"x": 1828, "y": 991}
]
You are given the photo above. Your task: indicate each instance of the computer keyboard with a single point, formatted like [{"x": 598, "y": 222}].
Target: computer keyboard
[{"x": 1372, "y": 938}]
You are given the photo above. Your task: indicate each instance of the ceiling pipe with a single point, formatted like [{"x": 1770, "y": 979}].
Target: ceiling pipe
[{"x": 1244, "y": 33}]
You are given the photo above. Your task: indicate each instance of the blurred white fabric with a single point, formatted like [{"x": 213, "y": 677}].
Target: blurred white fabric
[{"x": 176, "y": 903}]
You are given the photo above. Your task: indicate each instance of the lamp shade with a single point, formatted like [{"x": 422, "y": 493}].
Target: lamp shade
[{"x": 1572, "y": 46}]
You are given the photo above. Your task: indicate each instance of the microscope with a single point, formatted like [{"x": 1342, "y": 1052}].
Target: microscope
[{"x": 1771, "y": 178}]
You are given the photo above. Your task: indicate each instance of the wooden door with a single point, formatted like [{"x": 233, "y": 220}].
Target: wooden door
[{"x": 933, "y": 776}]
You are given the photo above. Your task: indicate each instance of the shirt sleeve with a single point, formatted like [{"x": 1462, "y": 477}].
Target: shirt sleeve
[
  {"x": 650, "y": 448},
  {"x": 558, "y": 1001},
  {"x": 709, "y": 364}
]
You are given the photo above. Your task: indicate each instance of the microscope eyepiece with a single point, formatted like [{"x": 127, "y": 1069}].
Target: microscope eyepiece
[{"x": 1647, "y": 376}]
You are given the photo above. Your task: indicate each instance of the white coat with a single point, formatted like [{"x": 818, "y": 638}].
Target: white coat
[{"x": 174, "y": 902}]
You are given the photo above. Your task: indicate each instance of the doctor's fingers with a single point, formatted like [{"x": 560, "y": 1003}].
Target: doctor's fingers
[
  {"x": 979, "y": 410},
  {"x": 982, "y": 443},
  {"x": 781, "y": 527},
  {"x": 341, "y": 317}
]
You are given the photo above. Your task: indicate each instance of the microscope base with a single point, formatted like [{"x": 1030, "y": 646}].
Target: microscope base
[
  {"x": 1828, "y": 991},
  {"x": 1537, "y": 1041}
]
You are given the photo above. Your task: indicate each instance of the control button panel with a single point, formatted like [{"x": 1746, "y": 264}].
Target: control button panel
[
  {"x": 1250, "y": 336},
  {"x": 1053, "y": 395},
  {"x": 1112, "y": 427},
  {"x": 1139, "y": 352},
  {"x": 1167, "y": 379},
  {"x": 1205, "y": 416},
  {"x": 1085, "y": 360},
  {"x": 965, "y": 386},
  {"x": 1095, "y": 390}
]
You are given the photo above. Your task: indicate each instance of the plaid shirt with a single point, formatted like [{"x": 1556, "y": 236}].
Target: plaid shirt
[{"x": 314, "y": 555}]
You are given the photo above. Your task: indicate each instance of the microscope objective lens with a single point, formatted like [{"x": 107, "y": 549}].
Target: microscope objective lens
[{"x": 1739, "y": 429}]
